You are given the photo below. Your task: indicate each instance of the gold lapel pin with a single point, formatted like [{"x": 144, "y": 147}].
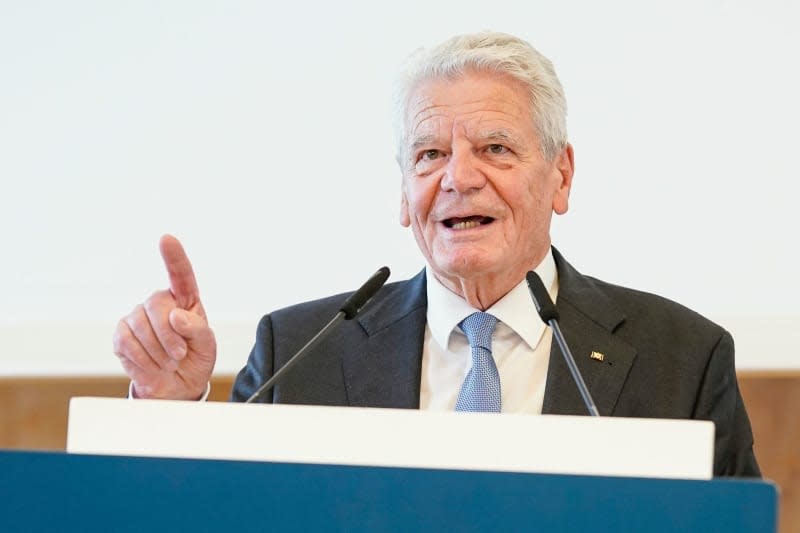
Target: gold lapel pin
[{"x": 597, "y": 356}]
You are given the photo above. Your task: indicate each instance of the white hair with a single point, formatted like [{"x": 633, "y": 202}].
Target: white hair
[{"x": 498, "y": 53}]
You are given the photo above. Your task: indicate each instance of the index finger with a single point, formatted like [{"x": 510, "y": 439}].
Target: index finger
[{"x": 182, "y": 282}]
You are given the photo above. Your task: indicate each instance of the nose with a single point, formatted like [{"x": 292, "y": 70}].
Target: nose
[{"x": 463, "y": 172}]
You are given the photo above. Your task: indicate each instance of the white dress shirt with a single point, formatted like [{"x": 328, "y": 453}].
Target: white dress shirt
[{"x": 520, "y": 345}]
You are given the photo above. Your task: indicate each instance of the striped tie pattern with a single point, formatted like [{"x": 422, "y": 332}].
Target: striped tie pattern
[{"x": 480, "y": 391}]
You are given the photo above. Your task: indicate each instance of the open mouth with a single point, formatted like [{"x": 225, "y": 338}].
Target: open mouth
[{"x": 467, "y": 222}]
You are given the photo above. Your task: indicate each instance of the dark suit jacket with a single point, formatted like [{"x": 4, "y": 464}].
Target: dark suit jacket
[{"x": 662, "y": 360}]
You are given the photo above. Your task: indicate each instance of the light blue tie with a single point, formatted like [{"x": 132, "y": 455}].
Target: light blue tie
[{"x": 481, "y": 388}]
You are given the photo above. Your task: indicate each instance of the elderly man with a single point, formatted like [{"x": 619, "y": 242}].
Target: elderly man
[{"x": 485, "y": 162}]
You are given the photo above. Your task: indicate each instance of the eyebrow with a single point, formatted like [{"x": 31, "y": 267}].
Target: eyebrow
[
  {"x": 421, "y": 140},
  {"x": 501, "y": 136}
]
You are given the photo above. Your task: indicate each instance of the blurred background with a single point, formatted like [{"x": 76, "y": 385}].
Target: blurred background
[{"x": 259, "y": 133}]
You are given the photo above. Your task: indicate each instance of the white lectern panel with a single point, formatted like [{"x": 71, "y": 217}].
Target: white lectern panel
[{"x": 393, "y": 437}]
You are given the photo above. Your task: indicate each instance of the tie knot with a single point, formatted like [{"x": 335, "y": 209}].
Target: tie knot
[{"x": 478, "y": 327}]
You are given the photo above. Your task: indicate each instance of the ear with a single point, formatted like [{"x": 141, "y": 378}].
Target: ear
[
  {"x": 565, "y": 169},
  {"x": 405, "y": 218}
]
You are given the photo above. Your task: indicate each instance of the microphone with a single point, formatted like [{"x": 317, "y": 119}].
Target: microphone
[
  {"x": 349, "y": 309},
  {"x": 549, "y": 315}
]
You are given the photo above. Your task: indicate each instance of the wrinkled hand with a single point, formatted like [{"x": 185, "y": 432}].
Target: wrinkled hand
[{"x": 165, "y": 344}]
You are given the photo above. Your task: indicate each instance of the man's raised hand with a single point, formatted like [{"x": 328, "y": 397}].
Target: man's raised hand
[{"x": 165, "y": 344}]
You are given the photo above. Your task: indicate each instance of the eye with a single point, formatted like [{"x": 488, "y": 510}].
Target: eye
[
  {"x": 497, "y": 149},
  {"x": 429, "y": 159},
  {"x": 430, "y": 155}
]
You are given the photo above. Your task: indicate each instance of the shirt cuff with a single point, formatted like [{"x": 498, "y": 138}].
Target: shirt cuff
[{"x": 202, "y": 398}]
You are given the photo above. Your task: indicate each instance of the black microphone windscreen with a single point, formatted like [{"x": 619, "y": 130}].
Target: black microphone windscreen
[
  {"x": 356, "y": 301},
  {"x": 541, "y": 299}
]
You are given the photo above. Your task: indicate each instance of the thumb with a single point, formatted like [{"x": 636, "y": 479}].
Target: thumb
[
  {"x": 194, "y": 329},
  {"x": 182, "y": 282}
]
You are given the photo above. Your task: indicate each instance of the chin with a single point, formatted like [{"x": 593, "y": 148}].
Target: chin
[{"x": 465, "y": 265}]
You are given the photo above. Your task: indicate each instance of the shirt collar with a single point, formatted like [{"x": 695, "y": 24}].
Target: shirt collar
[{"x": 446, "y": 309}]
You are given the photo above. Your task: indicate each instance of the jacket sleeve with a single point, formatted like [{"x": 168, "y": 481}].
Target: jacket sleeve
[
  {"x": 720, "y": 401},
  {"x": 259, "y": 366}
]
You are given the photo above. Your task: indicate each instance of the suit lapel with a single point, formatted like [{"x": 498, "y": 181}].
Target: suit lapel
[
  {"x": 385, "y": 370},
  {"x": 588, "y": 321}
]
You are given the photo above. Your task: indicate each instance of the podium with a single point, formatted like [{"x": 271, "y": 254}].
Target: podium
[
  {"x": 183, "y": 466},
  {"x": 90, "y": 493}
]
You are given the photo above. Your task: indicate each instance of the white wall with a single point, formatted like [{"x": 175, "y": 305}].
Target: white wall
[{"x": 260, "y": 135}]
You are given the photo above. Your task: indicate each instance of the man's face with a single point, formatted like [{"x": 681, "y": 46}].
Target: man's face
[{"x": 477, "y": 192}]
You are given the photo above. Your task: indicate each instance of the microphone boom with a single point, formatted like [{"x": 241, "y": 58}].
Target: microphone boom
[{"x": 549, "y": 315}]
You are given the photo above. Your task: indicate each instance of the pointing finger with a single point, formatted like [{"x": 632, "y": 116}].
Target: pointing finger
[{"x": 182, "y": 282}]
